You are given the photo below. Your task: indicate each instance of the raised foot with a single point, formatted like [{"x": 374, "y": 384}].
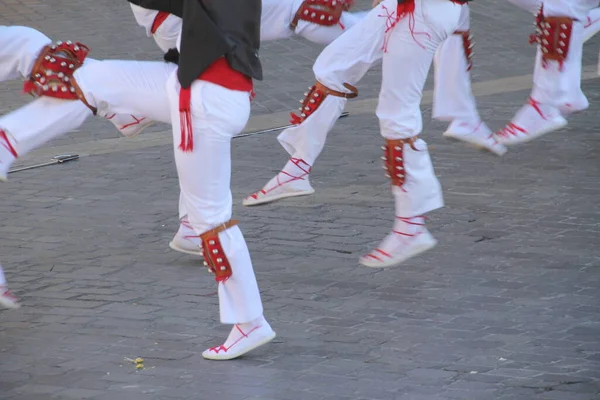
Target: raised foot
[
  {"x": 395, "y": 249},
  {"x": 531, "y": 121},
  {"x": 477, "y": 135},
  {"x": 7, "y": 299}
]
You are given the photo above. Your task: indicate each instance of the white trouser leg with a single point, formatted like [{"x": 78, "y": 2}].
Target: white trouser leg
[
  {"x": 167, "y": 33},
  {"x": 561, "y": 87},
  {"x": 182, "y": 209},
  {"x": 275, "y": 19},
  {"x": 127, "y": 87},
  {"x": 453, "y": 98},
  {"x": 345, "y": 60},
  {"x": 558, "y": 85},
  {"x": 578, "y": 9},
  {"x": 416, "y": 189},
  {"x": 204, "y": 178},
  {"x": 19, "y": 48},
  {"x": 42, "y": 120},
  {"x": 326, "y": 34},
  {"x": 405, "y": 67}
]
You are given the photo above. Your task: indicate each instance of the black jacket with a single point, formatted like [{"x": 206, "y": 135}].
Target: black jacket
[{"x": 212, "y": 29}]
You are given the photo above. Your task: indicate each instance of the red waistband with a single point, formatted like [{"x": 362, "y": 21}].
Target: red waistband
[
  {"x": 158, "y": 20},
  {"x": 220, "y": 73}
]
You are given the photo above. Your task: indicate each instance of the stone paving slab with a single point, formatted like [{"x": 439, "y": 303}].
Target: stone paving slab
[
  {"x": 506, "y": 306},
  {"x": 501, "y": 31}
]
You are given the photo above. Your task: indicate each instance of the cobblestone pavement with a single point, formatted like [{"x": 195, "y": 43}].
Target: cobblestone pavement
[{"x": 506, "y": 307}]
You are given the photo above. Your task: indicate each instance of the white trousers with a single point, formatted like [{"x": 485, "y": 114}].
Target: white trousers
[
  {"x": 406, "y": 63},
  {"x": 278, "y": 14},
  {"x": 19, "y": 49},
  {"x": 349, "y": 58},
  {"x": 556, "y": 85},
  {"x": 112, "y": 86},
  {"x": 217, "y": 114},
  {"x": 452, "y": 96},
  {"x": 166, "y": 34},
  {"x": 275, "y": 24},
  {"x": 553, "y": 84}
]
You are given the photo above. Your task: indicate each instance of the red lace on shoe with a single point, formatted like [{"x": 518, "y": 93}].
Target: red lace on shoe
[
  {"x": 11, "y": 297},
  {"x": 7, "y": 145},
  {"x": 490, "y": 136},
  {"x": 590, "y": 22},
  {"x": 224, "y": 349},
  {"x": 513, "y": 129},
  {"x": 297, "y": 161},
  {"x": 136, "y": 122},
  {"x": 536, "y": 106},
  {"x": 409, "y": 221},
  {"x": 187, "y": 224}
]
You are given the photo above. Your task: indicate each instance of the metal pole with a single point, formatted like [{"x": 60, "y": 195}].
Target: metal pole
[
  {"x": 59, "y": 159},
  {"x": 344, "y": 114}
]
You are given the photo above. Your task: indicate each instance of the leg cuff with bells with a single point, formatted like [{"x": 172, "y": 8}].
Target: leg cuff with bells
[{"x": 215, "y": 259}]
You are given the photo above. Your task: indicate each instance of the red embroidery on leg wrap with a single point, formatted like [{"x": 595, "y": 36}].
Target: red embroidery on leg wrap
[
  {"x": 185, "y": 120},
  {"x": 393, "y": 158},
  {"x": 214, "y": 256},
  {"x": 315, "y": 96}
]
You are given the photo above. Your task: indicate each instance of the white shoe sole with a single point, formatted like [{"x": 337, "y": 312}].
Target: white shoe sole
[
  {"x": 499, "y": 150},
  {"x": 269, "y": 199},
  {"x": 231, "y": 356},
  {"x": 559, "y": 123},
  {"x": 392, "y": 262},
  {"x": 174, "y": 246},
  {"x": 9, "y": 304}
]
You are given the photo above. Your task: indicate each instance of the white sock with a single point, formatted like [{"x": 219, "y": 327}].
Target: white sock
[
  {"x": 240, "y": 330},
  {"x": 296, "y": 167},
  {"x": 293, "y": 175},
  {"x": 409, "y": 226}
]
